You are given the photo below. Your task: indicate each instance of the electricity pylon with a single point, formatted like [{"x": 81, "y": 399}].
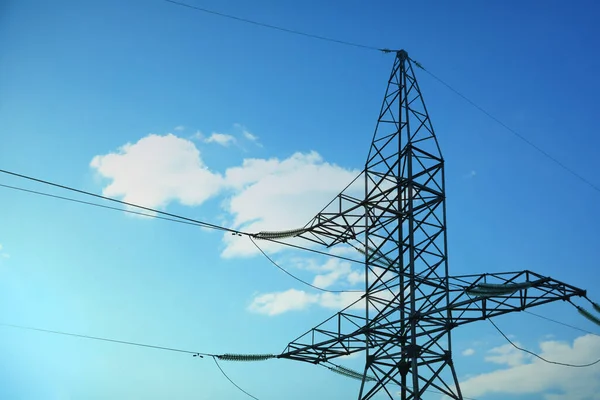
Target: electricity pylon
[{"x": 404, "y": 320}]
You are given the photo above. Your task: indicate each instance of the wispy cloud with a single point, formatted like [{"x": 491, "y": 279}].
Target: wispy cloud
[
  {"x": 197, "y": 136},
  {"x": 250, "y": 136},
  {"x": 468, "y": 352},
  {"x": 3, "y": 254},
  {"x": 179, "y": 128},
  {"x": 220, "y": 138},
  {"x": 472, "y": 174},
  {"x": 246, "y": 134}
]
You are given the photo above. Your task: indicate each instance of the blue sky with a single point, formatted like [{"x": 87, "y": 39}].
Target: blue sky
[{"x": 252, "y": 128}]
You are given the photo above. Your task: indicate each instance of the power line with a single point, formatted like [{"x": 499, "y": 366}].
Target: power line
[
  {"x": 561, "y": 323},
  {"x": 176, "y": 218},
  {"x": 540, "y": 357},
  {"x": 279, "y": 28},
  {"x": 511, "y": 130},
  {"x": 201, "y": 223},
  {"x": 98, "y": 205},
  {"x": 194, "y": 353},
  {"x": 230, "y": 380},
  {"x": 29, "y": 328},
  {"x": 295, "y": 277},
  {"x": 386, "y": 50}
]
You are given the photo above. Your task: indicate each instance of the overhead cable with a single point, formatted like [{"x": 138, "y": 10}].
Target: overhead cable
[
  {"x": 295, "y": 277},
  {"x": 278, "y": 28},
  {"x": 29, "y": 328},
  {"x": 561, "y": 323},
  {"x": 201, "y": 223},
  {"x": 231, "y": 381},
  {"x": 176, "y": 218},
  {"x": 513, "y": 131},
  {"x": 99, "y": 205},
  {"x": 386, "y": 50},
  {"x": 540, "y": 357}
]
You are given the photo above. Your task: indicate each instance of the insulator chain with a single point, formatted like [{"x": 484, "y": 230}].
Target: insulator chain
[{"x": 246, "y": 357}]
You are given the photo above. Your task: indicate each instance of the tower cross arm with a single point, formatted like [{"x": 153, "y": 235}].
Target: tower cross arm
[
  {"x": 338, "y": 336},
  {"x": 478, "y": 297}
]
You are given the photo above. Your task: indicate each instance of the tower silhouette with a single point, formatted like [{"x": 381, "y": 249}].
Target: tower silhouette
[{"x": 404, "y": 320}]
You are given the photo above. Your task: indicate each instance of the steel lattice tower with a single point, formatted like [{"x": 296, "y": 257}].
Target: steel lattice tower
[{"x": 403, "y": 322}]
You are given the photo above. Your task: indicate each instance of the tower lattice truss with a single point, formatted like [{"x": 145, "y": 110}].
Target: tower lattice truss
[{"x": 395, "y": 215}]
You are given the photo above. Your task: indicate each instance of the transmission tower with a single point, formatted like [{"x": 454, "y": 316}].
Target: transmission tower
[{"x": 405, "y": 318}]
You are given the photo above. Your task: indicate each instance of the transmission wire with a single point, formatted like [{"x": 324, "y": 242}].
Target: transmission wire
[
  {"x": 561, "y": 323},
  {"x": 177, "y": 218},
  {"x": 540, "y": 357},
  {"x": 230, "y": 380},
  {"x": 295, "y": 277},
  {"x": 201, "y": 223},
  {"x": 511, "y": 130},
  {"x": 386, "y": 50},
  {"x": 194, "y": 353},
  {"x": 279, "y": 28},
  {"x": 98, "y": 205}
]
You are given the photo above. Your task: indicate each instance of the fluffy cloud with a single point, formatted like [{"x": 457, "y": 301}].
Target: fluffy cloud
[
  {"x": 507, "y": 355},
  {"x": 529, "y": 375},
  {"x": 157, "y": 170},
  {"x": 294, "y": 300},
  {"x": 278, "y": 303},
  {"x": 262, "y": 194},
  {"x": 220, "y": 138},
  {"x": 273, "y": 194}
]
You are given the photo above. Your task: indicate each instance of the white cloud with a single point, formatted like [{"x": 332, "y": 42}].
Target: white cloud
[
  {"x": 507, "y": 355},
  {"x": 468, "y": 352},
  {"x": 220, "y": 138},
  {"x": 295, "y": 300},
  {"x": 533, "y": 376},
  {"x": 249, "y": 136},
  {"x": 334, "y": 269},
  {"x": 263, "y": 194},
  {"x": 179, "y": 128},
  {"x": 278, "y": 303},
  {"x": 0, "y": 247},
  {"x": 279, "y": 194},
  {"x": 157, "y": 170},
  {"x": 197, "y": 136}
]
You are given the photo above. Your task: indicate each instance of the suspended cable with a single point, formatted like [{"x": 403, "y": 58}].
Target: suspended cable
[
  {"x": 540, "y": 357},
  {"x": 511, "y": 130},
  {"x": 176, "y": 218},
  {"x": 561, "y": 323},
  {"x": 201, "y": 223},
  {"x": 278, "y": 28},
  {"x": 230, "y": 380},
  {"x": 295, "y": 277},
  {"x": 99, "y": 205},
  {"x": 385, "y": 50},
  {"x": 29, "y": 328}
]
